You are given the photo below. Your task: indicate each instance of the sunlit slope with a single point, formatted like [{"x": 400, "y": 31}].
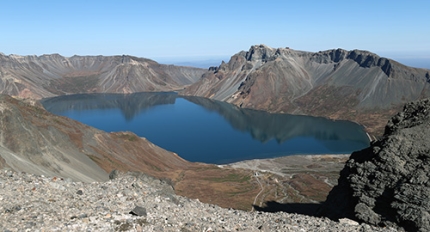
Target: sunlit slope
[
  {"x": 52, "y": 75},
  {"x": 334, "y": 83},
  {"x": 35, "y": 141}
]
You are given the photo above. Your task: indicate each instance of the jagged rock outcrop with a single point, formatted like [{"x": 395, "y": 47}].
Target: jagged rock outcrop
[
  {"x": 52, "y": 75},
  {"x": 354, "y": 85},
  {"x": 389, "y": 182}
]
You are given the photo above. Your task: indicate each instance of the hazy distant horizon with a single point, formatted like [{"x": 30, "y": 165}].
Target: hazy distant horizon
[
  {"x": 416, "y": 63},
  {"x": 199, "y": 62},
  {"x": 206, "y": 62}
]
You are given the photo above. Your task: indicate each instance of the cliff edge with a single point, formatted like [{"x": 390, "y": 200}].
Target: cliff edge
[{"x": 389, "y": 182}]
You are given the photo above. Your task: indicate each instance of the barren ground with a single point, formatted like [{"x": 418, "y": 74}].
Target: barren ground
[{"x": 285, "y": 181}]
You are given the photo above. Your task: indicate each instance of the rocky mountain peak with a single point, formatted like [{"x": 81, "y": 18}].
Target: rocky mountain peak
[
  {"x": 367, "y": 60},
  {"x": 259, "y": 52},
  {"x": 15, "y": 56},
  {"x": 364, "y": 58},
  {"x": 52, "y": 56},
  {"x": 337, "y": 55},
  {"x": 328, "y": 56}
]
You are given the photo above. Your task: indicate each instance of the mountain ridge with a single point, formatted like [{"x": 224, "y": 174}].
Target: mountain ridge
[
  {"x": 52, "y": 75},
  {"x": 336, "y": 83}
]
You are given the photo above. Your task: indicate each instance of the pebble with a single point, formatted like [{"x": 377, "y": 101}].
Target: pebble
[{"x": 133, "y": 202}]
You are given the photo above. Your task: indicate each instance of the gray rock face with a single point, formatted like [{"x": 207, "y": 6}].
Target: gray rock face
[
  {"x": 138, "y": 211},
  {"x": 373, "y": 81},
  {"x": 389, "y": 182}
]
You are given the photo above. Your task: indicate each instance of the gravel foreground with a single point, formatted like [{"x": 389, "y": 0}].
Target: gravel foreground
[{"x": 133, "y": 202}]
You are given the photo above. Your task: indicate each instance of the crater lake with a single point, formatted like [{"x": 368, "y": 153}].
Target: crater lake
[{"x": 209, "y": 131}]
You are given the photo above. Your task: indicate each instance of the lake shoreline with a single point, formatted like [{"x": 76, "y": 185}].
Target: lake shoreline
[{"x": 208, "y": 131}]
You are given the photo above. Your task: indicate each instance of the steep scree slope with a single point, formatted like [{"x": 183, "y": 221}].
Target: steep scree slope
[
  {"x": 389, "y": 181},
  {"x": 52, "y": 75},
  {"x": 354, "y": 85}
]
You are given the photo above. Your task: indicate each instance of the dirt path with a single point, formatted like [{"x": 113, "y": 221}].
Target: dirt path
[{"x": 262, "y": 189}]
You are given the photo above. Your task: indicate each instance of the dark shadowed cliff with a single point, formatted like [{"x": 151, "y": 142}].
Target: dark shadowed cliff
[
  {"x": 389, "y": 182},
  {"x": 354, "y": 85}
]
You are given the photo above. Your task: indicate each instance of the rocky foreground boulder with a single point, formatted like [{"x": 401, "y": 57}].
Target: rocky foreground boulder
[{"x": 388, "y": 183}]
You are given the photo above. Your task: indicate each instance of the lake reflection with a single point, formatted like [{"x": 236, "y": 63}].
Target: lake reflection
[{"x": 209, "y": 131}]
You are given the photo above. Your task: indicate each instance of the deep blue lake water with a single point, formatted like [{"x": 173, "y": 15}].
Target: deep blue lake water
[{"x": 204, "y": 130}]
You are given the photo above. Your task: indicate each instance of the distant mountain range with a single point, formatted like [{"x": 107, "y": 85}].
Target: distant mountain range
[
  {"x": 354, "y": 85},
  {"x": 53, "y": 75}
]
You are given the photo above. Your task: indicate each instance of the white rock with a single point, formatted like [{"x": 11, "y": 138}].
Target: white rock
[{"x": 348, "y": 222}]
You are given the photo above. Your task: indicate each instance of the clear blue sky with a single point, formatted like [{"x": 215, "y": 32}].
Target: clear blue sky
[{"x": 162, "y": 29}]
